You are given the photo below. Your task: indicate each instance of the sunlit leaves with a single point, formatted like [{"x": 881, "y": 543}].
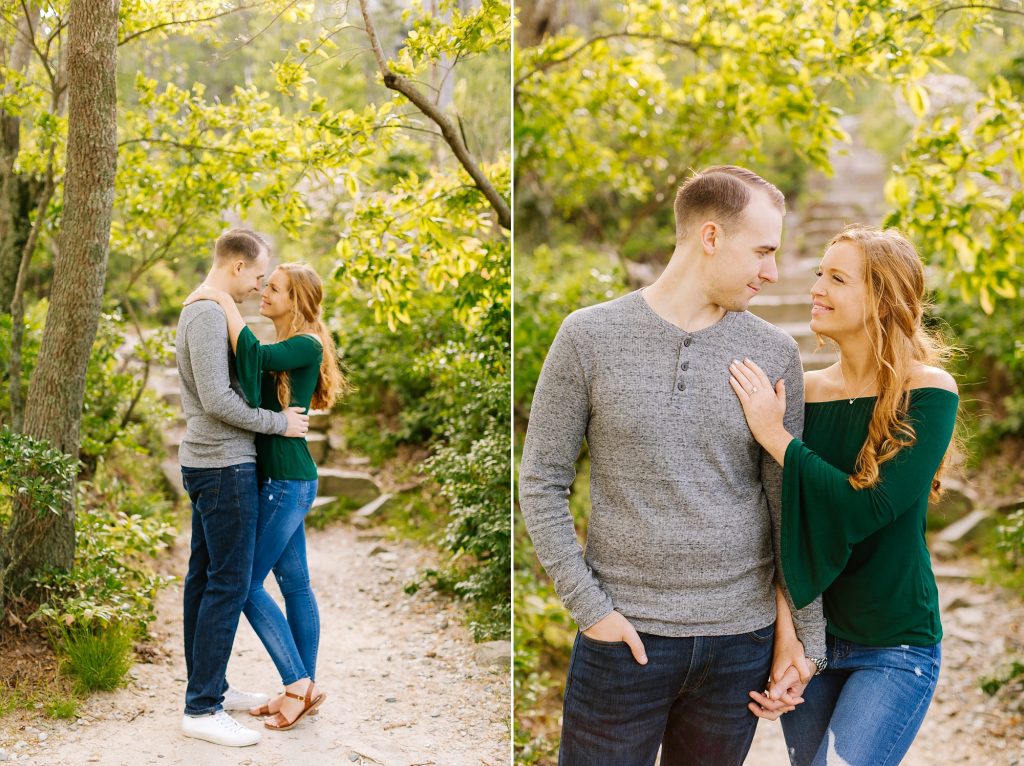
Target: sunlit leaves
[
  {"x": 615, "y": 113},
  {"x": 959, "y": 191},
  {"x": 446, "y": 32},
  {"x": 434, "y": 233}
]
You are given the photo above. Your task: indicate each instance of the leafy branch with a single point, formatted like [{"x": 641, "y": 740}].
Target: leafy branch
[{"x": 449, "y": 131}]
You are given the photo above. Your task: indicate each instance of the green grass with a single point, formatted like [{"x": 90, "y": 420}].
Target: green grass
[
  {"x": 413, "y": 516},
  {"x": 96, "y": 658},
  {"x": 338, "y": 510},
  {"x": 1007, "y": 674},
  {"x": 57, "y": 700},
  {"x": 62, "y": 707}
]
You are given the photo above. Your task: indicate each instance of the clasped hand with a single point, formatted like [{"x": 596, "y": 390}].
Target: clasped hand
[{"x": 791, "y": 672}]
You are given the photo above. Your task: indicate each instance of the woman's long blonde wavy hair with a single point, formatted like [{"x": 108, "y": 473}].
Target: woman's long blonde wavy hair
[
  {"x": 895, "y": 303},
  {"x": 307, "y": 294}
]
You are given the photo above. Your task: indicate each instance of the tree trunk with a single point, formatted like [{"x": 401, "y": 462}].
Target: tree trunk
[
  {"x": 54, "y": 407},
  {"x": 17, "y": 193}
]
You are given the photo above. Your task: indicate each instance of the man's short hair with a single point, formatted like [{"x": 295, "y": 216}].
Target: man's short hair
[
  {"x": 239, "y": 243},
  {"x": 720, "y": 193}
]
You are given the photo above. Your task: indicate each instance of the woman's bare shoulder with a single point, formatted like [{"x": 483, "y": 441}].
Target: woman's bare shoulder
[
  {"x": 926, "y": 376},
  {"x": 817, "y": 385}
]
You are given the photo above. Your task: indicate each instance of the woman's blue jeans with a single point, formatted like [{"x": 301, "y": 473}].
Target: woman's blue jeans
[
  {"x": 866, "y": 708},
  {"x": 281, "y": 545}
]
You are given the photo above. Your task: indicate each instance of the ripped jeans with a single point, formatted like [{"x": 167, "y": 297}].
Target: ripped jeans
[
  {"x": 292, "y": 643},
  {"x": 866, "y": 708}
]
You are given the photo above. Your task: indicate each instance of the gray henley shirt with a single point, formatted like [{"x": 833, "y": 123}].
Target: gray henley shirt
[
  {"x": 220, "y": 422},
  {"x": 683, "y": 534}
]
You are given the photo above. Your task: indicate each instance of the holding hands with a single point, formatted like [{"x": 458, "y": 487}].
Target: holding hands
[{"x": 791, "y": 672}]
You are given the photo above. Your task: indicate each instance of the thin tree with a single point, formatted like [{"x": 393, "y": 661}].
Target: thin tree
[{"x": 53, "y": 411}]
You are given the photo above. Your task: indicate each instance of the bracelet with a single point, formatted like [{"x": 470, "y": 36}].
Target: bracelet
[{"x": 820, "y": 663}]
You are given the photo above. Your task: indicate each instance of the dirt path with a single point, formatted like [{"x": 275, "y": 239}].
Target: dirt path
[
  {"x": 983, "y": 628},
  {"x": 406, "y": 684}
]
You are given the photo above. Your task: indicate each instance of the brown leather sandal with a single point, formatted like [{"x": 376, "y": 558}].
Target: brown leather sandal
[
  {"x": 310, "y": 706},
  {"x": 261, "y": 711}
]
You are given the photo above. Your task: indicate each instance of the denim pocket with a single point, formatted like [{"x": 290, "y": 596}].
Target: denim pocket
[
  {"x": 203, "y": 489},
  {"x": 598, "y": 642},
  {"x": 763, "y": 635}
]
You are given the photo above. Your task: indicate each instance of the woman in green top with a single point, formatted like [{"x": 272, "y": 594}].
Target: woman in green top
[
  {"x": 878, "y": 429},
  {"x": 300, "y": 370}
]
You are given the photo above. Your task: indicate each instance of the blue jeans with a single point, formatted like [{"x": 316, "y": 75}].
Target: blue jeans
[
  {"x": 867, "y": 706},
  {"x": 281, "y": 544},
  {"x": 224, "y": 510},
  {"x": 690, "y": 699}
]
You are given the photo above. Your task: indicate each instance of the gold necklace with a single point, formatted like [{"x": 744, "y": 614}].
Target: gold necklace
[{"x": 846, "y": 389}]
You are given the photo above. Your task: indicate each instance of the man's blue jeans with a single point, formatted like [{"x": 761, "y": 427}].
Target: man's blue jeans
[
  {"x": 867, "y": 706},
  {"x": 281, "y": 544},
  {"x": 690, "y": 699},
  {"x": 225, "y": 505}
]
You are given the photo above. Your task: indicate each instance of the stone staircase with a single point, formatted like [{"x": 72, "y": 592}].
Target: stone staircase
[
  {"x": 852, "y": 195},
  {"x": 334, "y": 484}
]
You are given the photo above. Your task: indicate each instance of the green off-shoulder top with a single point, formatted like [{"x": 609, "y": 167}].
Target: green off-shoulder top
[
  {"x": 279, "y": 457},
  {"x": 865, "y": 550}
]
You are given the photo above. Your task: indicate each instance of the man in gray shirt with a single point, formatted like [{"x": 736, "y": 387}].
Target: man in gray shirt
[
  {"x": 675, "y": 596},
  {"x": 218, "y": 467}
]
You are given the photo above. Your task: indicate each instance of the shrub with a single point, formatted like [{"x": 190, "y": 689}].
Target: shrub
[
  {"x": 96, "y": 656},
  {"x": 551, "y": 283},
  {"x": 991, "y": 371},
  {"x": 32, "y": 469},
  {"x": 442, "y": 383},
  {"x": 110, "y": 582}
]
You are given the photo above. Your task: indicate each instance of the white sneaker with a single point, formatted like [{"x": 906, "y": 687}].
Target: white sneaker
[
  {"x": 236, "y": 699},
  {"x": 219, "y": 728}
]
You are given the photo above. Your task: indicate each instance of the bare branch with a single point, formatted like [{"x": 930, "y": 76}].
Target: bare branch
[
  {"x": 182, "y": 22},
  {"x": 270, "y": 23},
  {"x": 942, "y": 9},
  {"x": 673, "y": 41},
  {"x": 449, "y": 130}
]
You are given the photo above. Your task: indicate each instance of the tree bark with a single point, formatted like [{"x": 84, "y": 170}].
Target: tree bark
[{"x": 54, "y": 407}]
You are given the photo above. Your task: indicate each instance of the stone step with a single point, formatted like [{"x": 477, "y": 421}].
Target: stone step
[
  {"x": 172, "y": 438},
  {"x": 818, "y": 361},
  {"x": 261, "y": 327},
  {"x": 319, "y": 420},
  {"x": 804, "y": 337},
  {"x": 782, "y": 309},
  {"x": 357, "y": 485},
  {"x": 318, "y": 446},
  {"x": 792, "y": 283},
  {"x": 966, "y": 528},
  {"x": 958, "y": 499},
  {"x": 952, "y": 572},
  {"x": 371, "y": 508}
]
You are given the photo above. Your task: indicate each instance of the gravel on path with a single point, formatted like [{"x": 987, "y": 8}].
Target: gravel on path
[{"x": 406, "y": 684}]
